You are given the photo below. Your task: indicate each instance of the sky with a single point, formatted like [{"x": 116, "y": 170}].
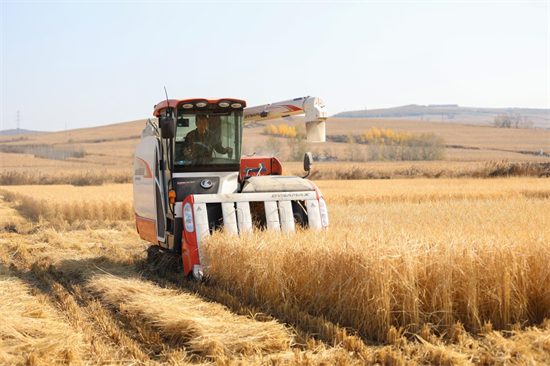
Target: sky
[{"x": 82, "y": 64}]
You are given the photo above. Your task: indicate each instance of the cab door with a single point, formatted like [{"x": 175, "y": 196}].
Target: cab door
[{"x": 148, "y": 204}]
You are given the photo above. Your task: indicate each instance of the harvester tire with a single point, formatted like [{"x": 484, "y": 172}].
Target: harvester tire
[
  {"x": 163, "y": 262},
  {"x": 300, "y": 215}
]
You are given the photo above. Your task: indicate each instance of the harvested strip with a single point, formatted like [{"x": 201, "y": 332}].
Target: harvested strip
[
  {"x": 31, "y": 331},
  {"x": 206, "y": 328}
]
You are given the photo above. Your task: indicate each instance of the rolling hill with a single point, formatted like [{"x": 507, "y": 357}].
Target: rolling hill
[
  {"x": 451, "y": 113},
  {"x": 17, "y": 131}
]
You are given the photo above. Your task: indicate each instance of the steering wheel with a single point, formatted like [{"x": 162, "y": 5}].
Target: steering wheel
[{"x": 201, "y": 144}]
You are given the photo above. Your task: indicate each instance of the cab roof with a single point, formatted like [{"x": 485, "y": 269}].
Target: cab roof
[{"x": 175, "y": 102}]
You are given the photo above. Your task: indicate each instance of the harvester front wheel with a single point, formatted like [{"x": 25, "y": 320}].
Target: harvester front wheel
[
  {"x": 163, "y": 262},
  {"x": 300, "y": 214}
]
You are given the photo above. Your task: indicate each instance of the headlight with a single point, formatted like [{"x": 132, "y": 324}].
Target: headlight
[
  {"x": 236, "y": 105},
  {"x": 324, "y": 212},
  {"x": 188, "y": 218},
  {"x": 198, "y": 272},
  {"x": 201, "y": 104},
  {"x": 187, "y": 105},
  {"x": 224, "y": 104}
]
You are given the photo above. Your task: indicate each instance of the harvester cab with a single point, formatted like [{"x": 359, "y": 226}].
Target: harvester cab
[{"x": 190, "y": 178}]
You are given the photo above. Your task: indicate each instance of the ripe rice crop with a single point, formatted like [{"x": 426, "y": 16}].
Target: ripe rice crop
[
  {"x": 403, "y": 263},
  {"x": 69, "y": 203},
  {"x": 431, "y": 190}
]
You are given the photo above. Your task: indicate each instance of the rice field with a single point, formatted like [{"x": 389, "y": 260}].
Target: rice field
[
  {"x": 431, "y": 271},
  {"x": 67, "y": 204}
]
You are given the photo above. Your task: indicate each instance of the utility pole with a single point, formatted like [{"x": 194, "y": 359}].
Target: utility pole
[{"x": 18, "y": 123}]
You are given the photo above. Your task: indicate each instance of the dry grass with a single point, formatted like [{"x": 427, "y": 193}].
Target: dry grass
[
  {"x": 78, "y": 178},
  {"x": 398, "y": 170},
  {"x": 321, "y": 171},
  {"x": 18, "y": 161},
  {"x": 480, "y": 136},
  {"x": 473, "y": 142}
]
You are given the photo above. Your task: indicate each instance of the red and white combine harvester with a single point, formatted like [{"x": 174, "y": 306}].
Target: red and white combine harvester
[{"x": 190, "y": 178}]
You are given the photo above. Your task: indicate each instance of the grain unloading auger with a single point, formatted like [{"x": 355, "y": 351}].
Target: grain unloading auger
[{"x": 190, "y": 178}]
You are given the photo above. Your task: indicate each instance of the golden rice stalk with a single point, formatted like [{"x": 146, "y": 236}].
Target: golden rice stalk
[{"x": 206, "y": 328}]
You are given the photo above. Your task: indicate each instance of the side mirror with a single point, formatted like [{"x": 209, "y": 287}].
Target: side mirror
[
  {"x": 308, "y": 162},
  {"x": 167, "y": 127}
]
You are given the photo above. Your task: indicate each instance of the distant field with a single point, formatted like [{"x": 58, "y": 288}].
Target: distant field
[
  {"x": 110, "y": 148},
  {"x": 472, "y": 142}
]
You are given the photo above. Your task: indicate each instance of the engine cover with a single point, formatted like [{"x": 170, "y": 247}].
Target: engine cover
[{"x": 280, "y": 183}]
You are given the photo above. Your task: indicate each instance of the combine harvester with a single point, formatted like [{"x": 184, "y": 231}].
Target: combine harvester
[{"x": 190, "y": 179}]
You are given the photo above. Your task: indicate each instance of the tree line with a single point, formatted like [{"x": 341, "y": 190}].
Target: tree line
[{"x": 513, "y": 120}]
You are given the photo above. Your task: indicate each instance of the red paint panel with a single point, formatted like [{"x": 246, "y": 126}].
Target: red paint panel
[
  {"x": 272, "y": 165},
  {"x": 189, "y": 248},
  {"x": 146, "y": 166},
  {"x": 147, "y": 229},
  {"x": 291, "y": 107}
]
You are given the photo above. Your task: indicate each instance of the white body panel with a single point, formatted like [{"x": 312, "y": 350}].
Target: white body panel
[
  {"x": 272, "y": 215},
  {"x": 229, "y": 217},
  {"x": 286, "y": 216},
  {"x": 314, "y": 214},
  {"x": 144, "y": 178},
  {"x": 201, "y": 224},
  {"x": 244, "y": 218},
  {"x": 255, "y": 197},
  {"x": 147, "y": 181}
]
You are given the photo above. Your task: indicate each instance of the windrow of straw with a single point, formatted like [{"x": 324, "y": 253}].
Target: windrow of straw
[
  {"x": 206, "y": 328},
  {"x": 401, "y": 264},
  {"x": 31, "y": 331}
]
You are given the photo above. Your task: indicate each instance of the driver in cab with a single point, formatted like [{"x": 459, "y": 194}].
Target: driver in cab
[{"x": 202, "y": 142}]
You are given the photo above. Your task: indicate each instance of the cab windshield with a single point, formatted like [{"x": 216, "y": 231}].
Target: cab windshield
[{"x": 208, "y": 141}]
